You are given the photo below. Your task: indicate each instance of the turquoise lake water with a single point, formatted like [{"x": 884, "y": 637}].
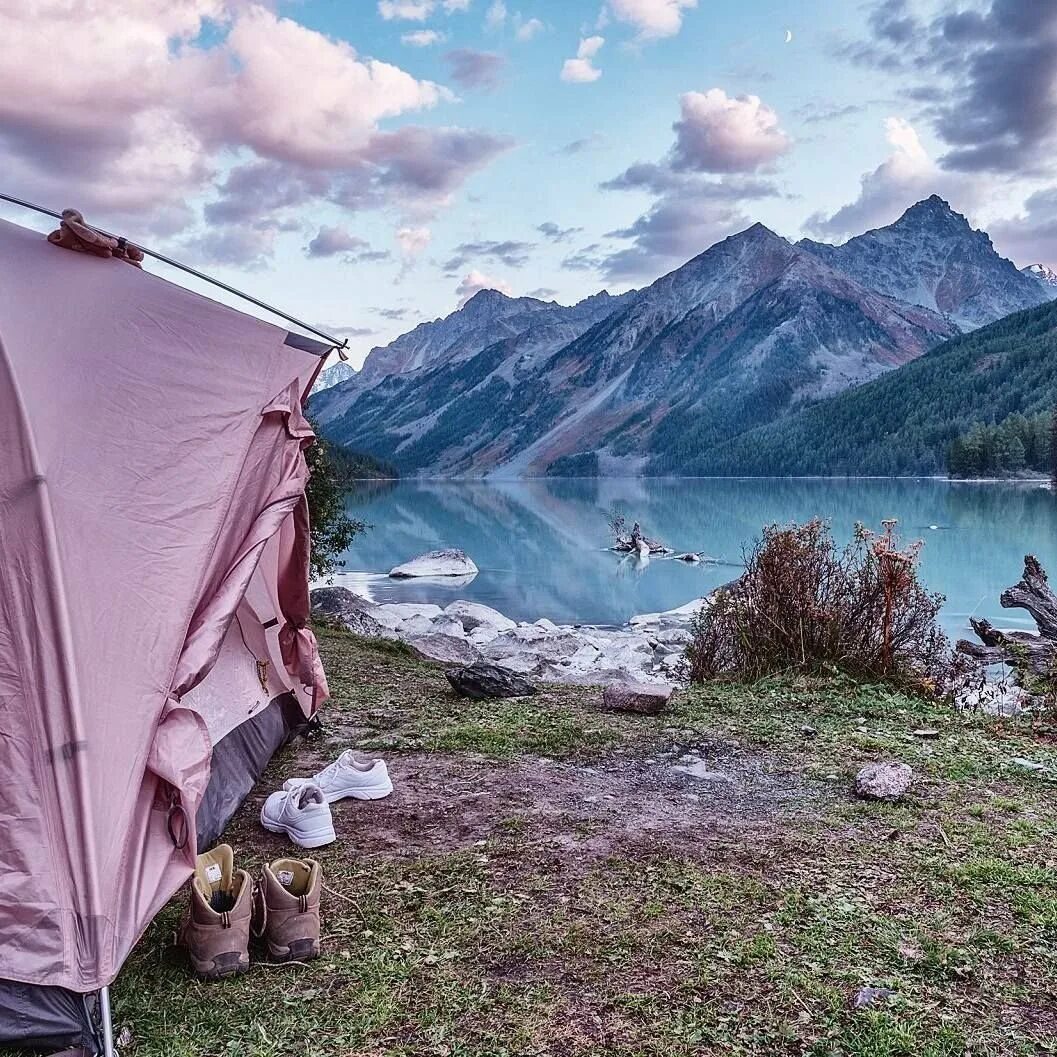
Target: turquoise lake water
[{"x": 541, "y": 545}]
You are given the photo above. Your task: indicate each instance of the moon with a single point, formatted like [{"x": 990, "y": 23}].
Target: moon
[{"x": 788, "y": 36}]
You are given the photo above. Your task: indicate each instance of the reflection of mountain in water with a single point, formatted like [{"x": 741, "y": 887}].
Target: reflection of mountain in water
[{"x": 541, "y": 545}]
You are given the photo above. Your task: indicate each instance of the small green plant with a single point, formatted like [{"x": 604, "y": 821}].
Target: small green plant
[{"x": 805, "y": 606}]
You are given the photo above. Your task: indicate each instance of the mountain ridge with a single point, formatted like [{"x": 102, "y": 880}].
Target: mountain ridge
[{"x": 744, "y": 333}]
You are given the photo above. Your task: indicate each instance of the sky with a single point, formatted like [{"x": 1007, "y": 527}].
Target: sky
[{"x": 369, "y": 164}]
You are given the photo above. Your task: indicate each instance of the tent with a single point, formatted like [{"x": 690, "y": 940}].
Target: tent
[{"x": 153, "y": 604}]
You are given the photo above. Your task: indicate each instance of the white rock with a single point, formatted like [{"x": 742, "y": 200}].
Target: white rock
[
  {"x": 480, "y": 636},
  {"x": 393, "y": 614},
  {"x": 442, "y": 625},
  {"x": 451, "y": 562},
  {"x": 546, "y": 625},
  {"x": 883, "y": 781},
  {"x": 474, "y": 615},
  {"x": 443, "y": 648}
]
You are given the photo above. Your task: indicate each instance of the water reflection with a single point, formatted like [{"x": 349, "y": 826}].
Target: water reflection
[{"x": 541, "y": 546}]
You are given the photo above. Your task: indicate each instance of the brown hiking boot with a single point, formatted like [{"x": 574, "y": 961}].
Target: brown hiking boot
[
  {"x": 216, "y": 925},
  {"x": 289, "y": 893}
]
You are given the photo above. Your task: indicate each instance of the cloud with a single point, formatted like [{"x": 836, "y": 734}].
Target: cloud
[
  {"x": 528, "y": 29},
  {"x": 586, "y": 259},
  {"x": 178, "y": 90},
  {"x": 350, "y": 332},
  {"x": 652, "y": 18},
  {"x": 1030, "y": 237},
  {"x": 395, "y": 314},
  {"x": 474, "y": 282},
  {"x": 907, "y": 175},
  {"x": 410, "y": 10},
  {"x": 543, "y": 293},
  {"x": 476, "y": 69},
  {"x": 552, "y": 231},
  {"x": 510, "y": 252},
  {"x": 247, "y": 247},
  {"x": 987, "y": 77},
  {"x": 413, "y": 241},
  {"x": 423, "y": 38},
  {"x": 581, "y": 70},
  {"x": 674, "y": 229},
  {"x": 822, "y": 113},
  {"x": 451, "y": 6},
  {"x": 692, "y": 209},
  {"x": 578, "y": 146},
  {"x": 496, "y": 15},
  {"x": 718, "y": 133},
  {"x": 337, "y": 241}
]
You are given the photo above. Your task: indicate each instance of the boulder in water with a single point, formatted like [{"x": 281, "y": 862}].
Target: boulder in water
[{"x": 450, "y": 562}]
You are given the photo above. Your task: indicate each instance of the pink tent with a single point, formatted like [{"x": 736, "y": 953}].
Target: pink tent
[{"x": 153, "y": 601}]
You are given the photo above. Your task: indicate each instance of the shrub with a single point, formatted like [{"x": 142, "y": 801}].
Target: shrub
[
  {"x": 332, "y": 529},
  {"x": 805, "y": 606}
]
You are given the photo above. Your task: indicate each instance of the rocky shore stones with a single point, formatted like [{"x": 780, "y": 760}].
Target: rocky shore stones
[
  {"x": 482, "y": 682},
  {"x": 643, "y": 698}
]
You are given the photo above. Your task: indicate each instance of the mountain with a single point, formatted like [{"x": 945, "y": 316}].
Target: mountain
[
  {"x": 340, "y": 372},
  {"x": 932, "y": 257},
  {"x": 1045, "y": 277},
  {"x": 747, "y": 330},
  {"x": 904, "y": 422},
  {"x": 487, "y": 317}
]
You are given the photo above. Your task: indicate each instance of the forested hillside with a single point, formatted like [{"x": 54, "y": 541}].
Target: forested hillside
[
  {"x": 904, "y": 422},
  {"x": 1017, "y": 443}
]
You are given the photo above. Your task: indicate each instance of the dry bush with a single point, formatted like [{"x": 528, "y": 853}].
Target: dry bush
[{"x": 805, "y": 606}]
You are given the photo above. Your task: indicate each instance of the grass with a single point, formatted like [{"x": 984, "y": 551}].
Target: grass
[{"x": 747, "y": 936}]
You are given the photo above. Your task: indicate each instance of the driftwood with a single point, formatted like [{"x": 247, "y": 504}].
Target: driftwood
[
  {"x": 1033, "y": 655},
  {"x": 634, "y": 541}
]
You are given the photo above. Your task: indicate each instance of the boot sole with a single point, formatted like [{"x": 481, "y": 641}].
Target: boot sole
[
  {"x": 360, "y": 793},
  {"x": 222, "y": 966},
  {"x": 298, "y": 951}
]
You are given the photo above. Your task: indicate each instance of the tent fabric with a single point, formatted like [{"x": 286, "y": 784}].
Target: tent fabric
[
  {"x": 152, "y": 468},
  {"x": 48, "y": 1016}
]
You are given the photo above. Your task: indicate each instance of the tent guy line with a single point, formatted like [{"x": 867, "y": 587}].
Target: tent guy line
[{"x": 340, "y": 346}]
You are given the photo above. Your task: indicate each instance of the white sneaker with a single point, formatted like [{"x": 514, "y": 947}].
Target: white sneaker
[
  {"x": 347, "y": 776},
  {"x": 302, "y": 813}
]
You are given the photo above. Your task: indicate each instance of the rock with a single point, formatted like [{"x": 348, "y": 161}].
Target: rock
[
  {"x": 689, "y": 557},
  {"x": 883, "y": 781},
  {"x": 395, "y": 614},
  {"x": 546, "y": 625},
  {"x": 442, "y": 625},
  {"x": 482, "y": 635},
  {"x": 483, "y": 681},
  {"x": 698, "y": 768},
  {"x": 926, "y": 732},
  {"x": 636, "y": 697},
  {"x": 349, "y": 609},
  {"x": 451, "y": 562},
  {"x": 443, "y": 648},
  {"x": 473, "y": 615},
  {"x": 871, "y": 996}
]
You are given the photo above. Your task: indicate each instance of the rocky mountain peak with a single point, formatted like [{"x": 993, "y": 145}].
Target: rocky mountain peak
[
  {"x": 936, "y": 213},
  {"x": 1047, "y": 277}
]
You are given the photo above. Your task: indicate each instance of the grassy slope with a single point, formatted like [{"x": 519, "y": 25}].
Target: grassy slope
[
  {"x": 747, "y": 941},
  {"x": 903, "y": 421}
]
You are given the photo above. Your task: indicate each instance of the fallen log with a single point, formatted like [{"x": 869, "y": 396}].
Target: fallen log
[{"x": 1032, "y": 655}]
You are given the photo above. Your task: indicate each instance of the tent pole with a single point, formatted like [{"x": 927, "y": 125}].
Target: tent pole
[
  {"x": 108, "y": 1024},
  {"x": 190, "y": 271}
]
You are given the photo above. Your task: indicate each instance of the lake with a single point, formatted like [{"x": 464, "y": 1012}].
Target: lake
[{"x": 541, "y": 545}]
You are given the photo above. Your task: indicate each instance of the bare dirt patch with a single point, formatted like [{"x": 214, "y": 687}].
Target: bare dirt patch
[{"x": 683, "y": 800}]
